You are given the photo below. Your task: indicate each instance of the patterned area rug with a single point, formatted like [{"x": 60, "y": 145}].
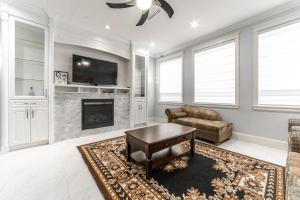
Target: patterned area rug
[{"x": 213, "y": 174}]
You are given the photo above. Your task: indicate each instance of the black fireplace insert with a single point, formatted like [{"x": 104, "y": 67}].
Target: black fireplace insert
[{"x": 97, "y": 113}]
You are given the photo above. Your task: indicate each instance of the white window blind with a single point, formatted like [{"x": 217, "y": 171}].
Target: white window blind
[
  {"x": 170, "y": 80},
  {"x": 215, "y": 72},
  {"x": 279, "y": 66}
]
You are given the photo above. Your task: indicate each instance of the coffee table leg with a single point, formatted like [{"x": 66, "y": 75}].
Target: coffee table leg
[
  {"x": 193, "y": 145},
  {"x": 148, "y": 165},
  {"x": 128, "y": 151}
]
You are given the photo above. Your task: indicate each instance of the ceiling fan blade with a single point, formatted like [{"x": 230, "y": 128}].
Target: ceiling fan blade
[
  {"x": 143, "y": 18},
  {"x": 153, "y": 12},
  {"x": 122, "y": 5},
  {"x": 166, "y": 6}
]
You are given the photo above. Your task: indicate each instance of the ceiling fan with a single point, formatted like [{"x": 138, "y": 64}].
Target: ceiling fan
[{"x": 150, "y": 8}]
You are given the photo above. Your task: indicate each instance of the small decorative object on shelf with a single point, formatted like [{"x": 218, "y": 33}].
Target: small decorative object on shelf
[
  {"x": 31, "y": 92},
  {"x": 60, "y": 78}
]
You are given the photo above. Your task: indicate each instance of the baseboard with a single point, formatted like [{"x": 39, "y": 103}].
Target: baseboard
[
  {"x": 151, "y": 119},
  {"x": 4, "y": 150},
  {"x": 159, "y": 119},
  {"x": 23, "y": 146},
  {"x": 278, "y": 144}
]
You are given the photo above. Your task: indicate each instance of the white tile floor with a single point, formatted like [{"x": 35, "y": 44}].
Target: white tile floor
[{"x": 57, "y": 171}]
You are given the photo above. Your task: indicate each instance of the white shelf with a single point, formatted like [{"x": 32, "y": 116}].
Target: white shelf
[
  {"x": 28, "y": 79},
  {"x": 30, "y": 43},
  {"x": 90, "y": 86},
  {"x": 29, "y": 61},
  {"x": 83, "y": 89}
]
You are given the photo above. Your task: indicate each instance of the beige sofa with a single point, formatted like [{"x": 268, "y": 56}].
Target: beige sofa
[
  {"x": 208, "y": 122},
  {"x": 293, "y": 161}
]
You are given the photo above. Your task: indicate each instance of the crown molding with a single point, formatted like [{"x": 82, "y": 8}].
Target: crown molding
[
  {"x": 64, "y": 31},
  {"x": 67, "y": 33},
  {"x": 92, "y": 32},
  {"x": 24, "y": 10},
  {"x": 291, "y": 6},
  {"x": 27, "y": 6}
]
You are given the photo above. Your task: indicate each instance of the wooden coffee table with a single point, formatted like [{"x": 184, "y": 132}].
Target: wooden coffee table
[{"x": 157, "y": 145}]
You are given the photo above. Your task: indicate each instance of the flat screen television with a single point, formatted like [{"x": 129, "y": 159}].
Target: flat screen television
[{"x": 93, "y": 71}]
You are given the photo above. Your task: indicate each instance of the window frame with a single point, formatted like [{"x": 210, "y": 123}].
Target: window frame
[
  {"x": 165, "y": 59},
  {"x": 263, "y": 28},
  {"x": 213, "y": 44}
]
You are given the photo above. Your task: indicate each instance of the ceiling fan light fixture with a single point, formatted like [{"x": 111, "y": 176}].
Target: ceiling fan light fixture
[
  {"x": 194, "y": 24},
  {"x": 144, "y": 4},
  {"x": 152, "y": 44}
]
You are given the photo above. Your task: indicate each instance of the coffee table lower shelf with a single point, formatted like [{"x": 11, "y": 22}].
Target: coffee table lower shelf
[{"x": 162, "y": 157}]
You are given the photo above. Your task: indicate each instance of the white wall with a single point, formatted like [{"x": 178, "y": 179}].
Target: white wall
[
  {"x": 63, "y": 60},
  {"x": 245, "y": 119},
  {"x": 3, "y": 81}
]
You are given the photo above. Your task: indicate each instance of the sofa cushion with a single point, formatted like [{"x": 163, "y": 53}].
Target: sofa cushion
[
  {"x": 201, "y": 113},
  {"x": 179, "y": 114},
  {"x": 295, "y": 128},
  {"x": 293, "y": 170},
  {"x": 294, "y": 156},
  {"x": 201, "y": 123},
  {"x": 188, "y": 109},
  {"x": 208, "y": 114}
]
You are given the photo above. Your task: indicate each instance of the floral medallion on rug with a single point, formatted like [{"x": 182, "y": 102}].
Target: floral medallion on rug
[{"x": 212, "y": 174}]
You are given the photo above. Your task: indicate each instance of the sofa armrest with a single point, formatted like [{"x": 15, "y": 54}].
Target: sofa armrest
[
  {"x": 225, "y": 132},
  {"x": 294, "y": 141},
  {"x": 292, "y": 176},
  {"x": 171, "y": 113},
  {"x": 293, "y": 122}
]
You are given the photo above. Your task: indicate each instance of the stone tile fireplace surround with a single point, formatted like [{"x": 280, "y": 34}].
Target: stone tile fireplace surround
[{"x": 67, "y": 114}]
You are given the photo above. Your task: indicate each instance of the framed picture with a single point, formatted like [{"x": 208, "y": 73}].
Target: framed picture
[{"x": 60, "y": 78}]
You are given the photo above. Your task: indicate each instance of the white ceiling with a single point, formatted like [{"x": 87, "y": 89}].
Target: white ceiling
[{"x": 164, "y": 32}]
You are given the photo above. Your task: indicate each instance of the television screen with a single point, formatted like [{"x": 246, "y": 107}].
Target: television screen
[{"x": 94, "y": 71}]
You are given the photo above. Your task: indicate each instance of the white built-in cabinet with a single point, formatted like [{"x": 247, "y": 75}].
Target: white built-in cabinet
[
  {"x": 39, "y": 124},
  {"x": 28, "y": 83},
  {"x": 19, "y": 125},
  {"x": 140, "y": 111},
  {"x": 28, "y": 65},
  {"x": 28, "y": 125},
  {"x": 140, "y": 60}
]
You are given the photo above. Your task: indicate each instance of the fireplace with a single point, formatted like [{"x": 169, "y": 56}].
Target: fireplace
[{"x": 97, "y": 113}]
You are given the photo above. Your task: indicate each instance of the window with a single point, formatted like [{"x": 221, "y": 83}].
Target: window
[
  {"x": 216, "y": 72},
  {"x": 170, "y": 80},
  {"x": 278, "y": 66}
]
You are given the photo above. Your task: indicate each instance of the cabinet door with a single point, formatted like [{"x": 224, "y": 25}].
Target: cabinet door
[
  {"x": 28, "y": 60},
  {"x": 139, "y": 112},
  {"x": 136, "y": 112},
  {"x": 140, "y": 76},
  {"x": 142, "y": 112},
  {"x": 19, "y": 126},
  {"x": 39, "y": 124}
]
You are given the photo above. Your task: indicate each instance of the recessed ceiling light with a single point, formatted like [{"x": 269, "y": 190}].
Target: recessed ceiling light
[
  {"x": 144, "y": 4},
  {"x": 107, "y": 27},
  {"x": 194, "y": 23},
  {"x": 152, "y": 44}
]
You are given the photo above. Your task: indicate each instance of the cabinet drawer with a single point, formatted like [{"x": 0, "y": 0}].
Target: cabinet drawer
[
  {"x": 139, "y": 99},
  {"x": 31, "y": 103},
  {"x": 171, "y": 142}
]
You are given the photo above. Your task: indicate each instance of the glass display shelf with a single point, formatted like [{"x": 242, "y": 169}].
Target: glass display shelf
[
  {"x": 28, "y": 79},
  {"x": 29, "y": 61},
  {"x": 29, "y": 43}
]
